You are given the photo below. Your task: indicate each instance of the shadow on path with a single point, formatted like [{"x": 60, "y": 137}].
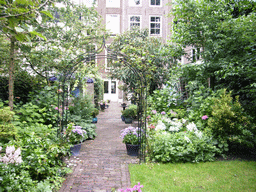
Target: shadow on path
[{"x": 103, "y": 162}]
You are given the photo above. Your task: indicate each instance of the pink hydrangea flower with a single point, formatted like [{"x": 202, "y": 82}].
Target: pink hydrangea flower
[
  {"x": 154, "y": 111},
  {"x": 205, "y": 117}
]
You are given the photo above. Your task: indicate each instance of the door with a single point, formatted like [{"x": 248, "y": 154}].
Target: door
[{"x": 110, "y": 90}]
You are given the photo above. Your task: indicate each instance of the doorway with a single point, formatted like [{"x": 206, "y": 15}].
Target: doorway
[{"x": 110, "y": 90}]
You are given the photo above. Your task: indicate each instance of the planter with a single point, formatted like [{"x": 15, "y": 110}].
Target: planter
[
  {"x": 102, "y": 107},
  {"x": 122, "y": 117},
  {"x": 75, "y": 150},
  {"x": 128, "y": 120},
  {"x": 107, "y": 106},
  {"x": 132, "y": 150},
  {"x": 123, "y": 105},
  {"x": 95, "y": 120}
]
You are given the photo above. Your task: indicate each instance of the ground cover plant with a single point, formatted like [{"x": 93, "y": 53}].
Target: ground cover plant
[{"x": 209, "y": 176}]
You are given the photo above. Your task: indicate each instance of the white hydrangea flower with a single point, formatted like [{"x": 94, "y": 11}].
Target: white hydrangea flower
[
  {"x": 192, "y": 127},
  {"x": 175, "y": 125},
  {"x": 187, "y": 139},
  {"x": 199, "y": 134},
  {"x": 184, "y": 121},
  {"x": 10, "y": 149},
  {"x": 160, "y": 125}
]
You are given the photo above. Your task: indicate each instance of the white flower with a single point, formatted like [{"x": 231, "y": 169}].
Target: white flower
[
  {"x": 184, "y": 121},
  {"x": 10, "y": 149},
  {"x": 192, "y": 127},
  {"x": 199, "y": 134},
  {"x": 187, "y": 139},
  {"x": 1, "y": 148},
  {"x": 160, "y": 126},
  {"x": 175, "y": 125}
]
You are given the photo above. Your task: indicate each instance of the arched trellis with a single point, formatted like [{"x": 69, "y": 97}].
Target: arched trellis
[{"x": 114, "y": 56}]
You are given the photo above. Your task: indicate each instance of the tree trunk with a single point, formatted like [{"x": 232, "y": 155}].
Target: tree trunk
[{"x": 11, "y": 72}]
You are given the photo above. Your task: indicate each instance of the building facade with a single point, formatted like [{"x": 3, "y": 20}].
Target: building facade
[{"x": 121, "y": 15}]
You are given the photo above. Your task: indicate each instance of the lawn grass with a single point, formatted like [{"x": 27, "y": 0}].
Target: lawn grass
[{"x": 221, "y": 176}]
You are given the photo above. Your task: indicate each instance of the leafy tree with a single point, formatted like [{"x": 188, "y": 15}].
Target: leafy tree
[
  {"x": 16, "y": 20},
  {"x": 226, "y": 33},
  {"x": 73, "y": 36},
  {"x": 148, "y": 56}
]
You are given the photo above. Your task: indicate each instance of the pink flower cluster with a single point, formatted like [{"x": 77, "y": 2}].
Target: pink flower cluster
[
  {"x": 78, "y": 130},
  {"x": 205, "y": 117},
  {"x": 11, "y": 156},
  {"x": 129, "y": 131},
  {"x": 136, "y": 188}
]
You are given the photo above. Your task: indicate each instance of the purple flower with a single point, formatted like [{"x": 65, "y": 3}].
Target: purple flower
[
  {"x": 154, "y": 111},
  {"x": 205, "y": 117},
  {"x": 56, "y": 108},
  {"x": 163, "y": 113}
]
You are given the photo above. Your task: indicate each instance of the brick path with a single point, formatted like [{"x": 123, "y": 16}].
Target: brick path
[{"x": 103, "y": 162}]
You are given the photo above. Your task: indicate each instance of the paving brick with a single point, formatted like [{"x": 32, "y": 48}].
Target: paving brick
[{"x": 103, "y": 162}]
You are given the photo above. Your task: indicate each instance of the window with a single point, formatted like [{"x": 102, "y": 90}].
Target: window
[
  {"x": 113, "y": 23},
  {"x": 113, "y": 87},
  {"x": 113, "y": 3},
  {"x": 155, "y": 2},
  {"x": 105, "y": 86},
  {"x": 155, "y": 25},
  {"x": 134, "y": 3},
  {"x": 134, "y": 21},
  {"x": 195, "y": 54}
]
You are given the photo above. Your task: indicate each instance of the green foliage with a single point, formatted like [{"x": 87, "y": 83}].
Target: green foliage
[
  {"x": 229, "y": 124},
  {"x": 98, "y": 91},
  {"x": 82, "y": 106},
  {"x": 128, "y": 113},
  {"x": 181, "y": 147},
  {"x": 147, "y": 56},
  {"x": 7, "y": 130},
  {"x": 214, "y": 26},
  {"x": 41, "y": 108},
  {"x": 95, "y": 112},
  {"x": 42, "y": 165},
  {"x": 134, "y": 108},
  {"x": 24, "y": 84}
]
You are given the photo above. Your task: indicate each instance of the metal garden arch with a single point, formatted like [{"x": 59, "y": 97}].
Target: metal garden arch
[{"x": 66, "y": 76}]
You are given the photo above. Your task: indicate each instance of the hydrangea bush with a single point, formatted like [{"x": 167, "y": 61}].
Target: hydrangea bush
[{"x": 130, "y": 135}]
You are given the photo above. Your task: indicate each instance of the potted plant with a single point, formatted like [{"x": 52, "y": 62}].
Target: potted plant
[
  {"x": 124, "y": 105},
  {"x": 102, "y": 105},
  {"x": 130, "y": 137},
  {"x": 128, "y": 114},
  {"x": 94, "y": 114},
  {"x": 75, "y": 135}
]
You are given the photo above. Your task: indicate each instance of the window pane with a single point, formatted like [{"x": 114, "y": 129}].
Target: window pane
[
  {"x": 153, "y": 2},
  {"x": 157, "y": 2},
  {"x": 153, "y": 19},
  {"x": 113, "y": 87},
  {"x": 157, "y": 31},
  {"x": 105, "y": 86}
]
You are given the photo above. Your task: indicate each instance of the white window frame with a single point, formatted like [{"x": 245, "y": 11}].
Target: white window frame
[
  {"x": 161, "y": 28},
  {"x": 114, "y": 4},
  {"x": 96, "y": 61},
  {"x": 161, "y": 2},
  {"x": 129, "y": 17},
  {"x": 107, "y": 22},
  {"x": 196, "y": 55},
  {"x": 133, "y": 4}
]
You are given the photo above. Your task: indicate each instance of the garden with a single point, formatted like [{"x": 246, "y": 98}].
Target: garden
[{"x": 200, "y": 123}]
